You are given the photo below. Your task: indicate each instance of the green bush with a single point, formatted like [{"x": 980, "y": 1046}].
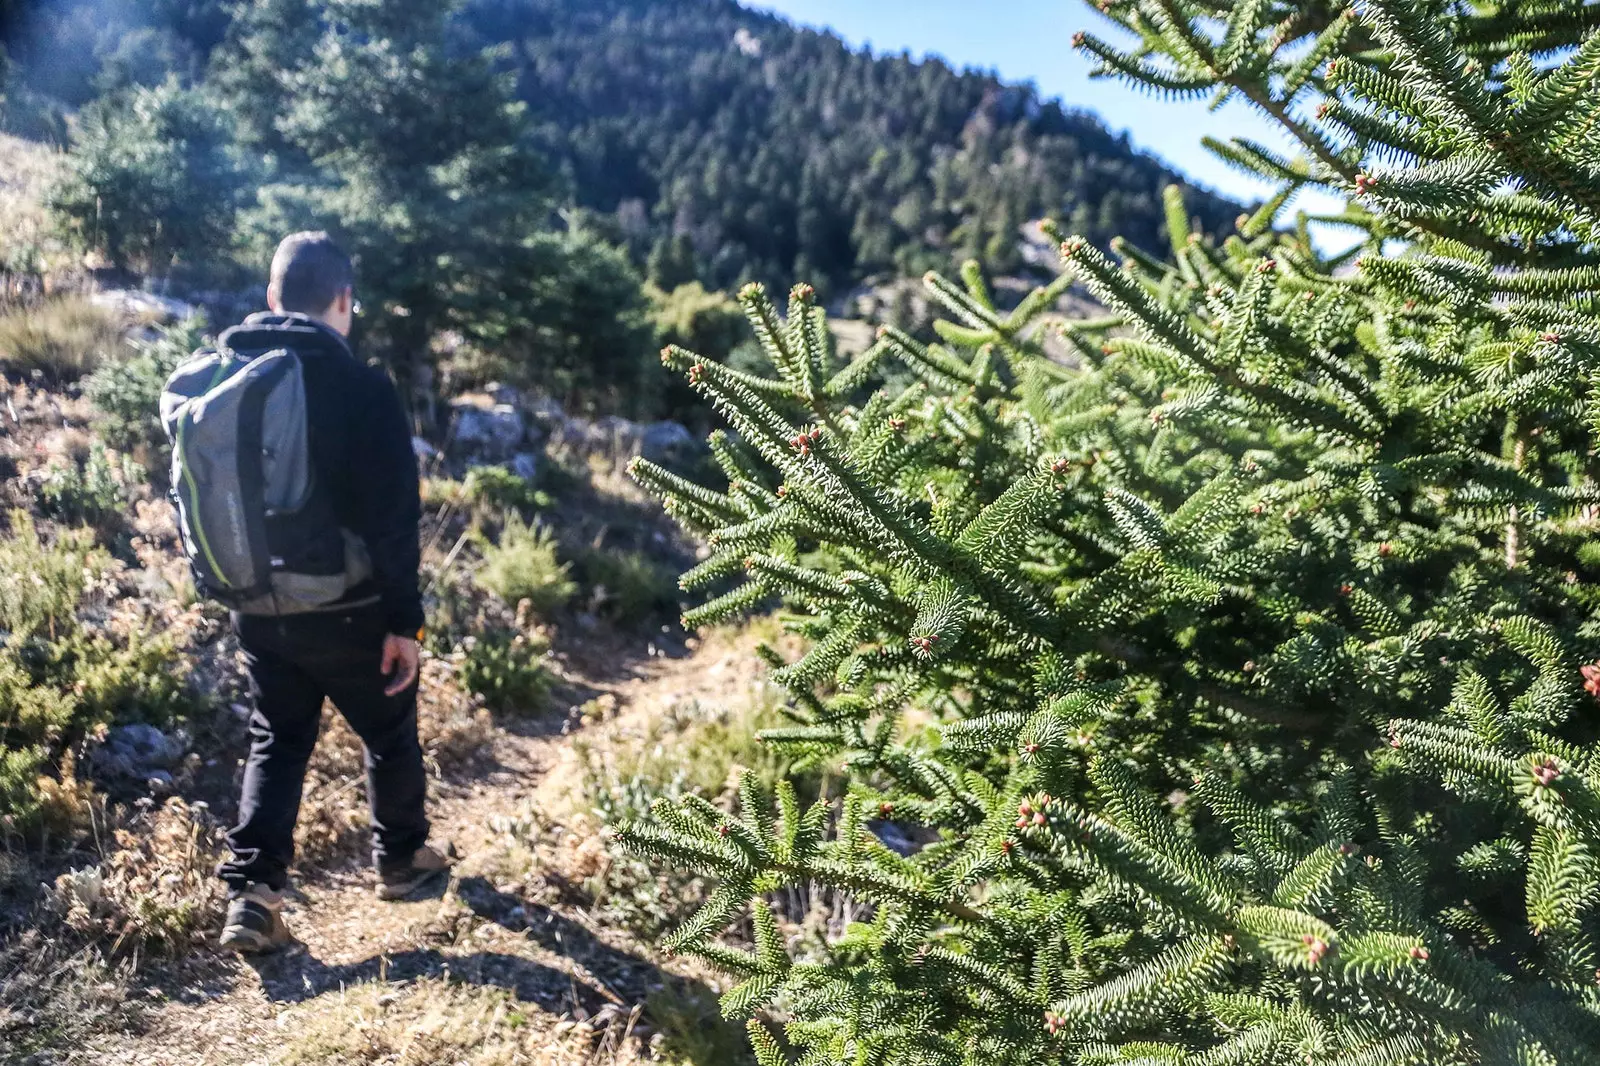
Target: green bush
[
  {"x": 524, "y": 565},
  {"x": 1229, "y": 689},
  {"x": 507, "y": 669},
  {"x": 1230, "y": 686},
  {"x": 94, "y": 493},
  {"x": 62, "y": 338},
  {"x": 126, "y": 391},
  {"x": 61, "y": 677},
  {"x": 627, "y": 585},
  {"x": 152, "y": 177},
  {"x": 42, "y": 584},
  {"x": 496, "y": 489}
]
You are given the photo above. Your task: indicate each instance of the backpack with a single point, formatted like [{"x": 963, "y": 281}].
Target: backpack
[{"x": 259, "y": 536}]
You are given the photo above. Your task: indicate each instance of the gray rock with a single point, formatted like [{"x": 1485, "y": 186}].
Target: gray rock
[
  {"x": 135, "y": 306},
  {"x": 660, "y": 440},
  {"x": 525, "y": 465},
  {"x": 139, "y": 752},
  {"x": 486, "y": 431}
]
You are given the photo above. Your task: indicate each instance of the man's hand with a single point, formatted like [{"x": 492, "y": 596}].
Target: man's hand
[{"x": 400, "y": 656}]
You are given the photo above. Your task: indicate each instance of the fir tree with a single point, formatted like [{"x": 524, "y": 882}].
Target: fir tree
[
  {"x": 1258, "y": 636},
  {"x": 403, "y": 140},
  {"x": 151, "y": 178}
]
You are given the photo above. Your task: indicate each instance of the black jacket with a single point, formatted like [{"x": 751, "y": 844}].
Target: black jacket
[{"x": 360, "y": 455}]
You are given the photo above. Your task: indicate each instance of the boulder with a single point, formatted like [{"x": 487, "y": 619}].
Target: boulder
[
  {"x": 142, "y": 308},
  {"x": 484, "y": 430},
  {"x": 525, "y": 465},
  {"x": 139, "y": 752},
  {"x": 663, "y": 440}
]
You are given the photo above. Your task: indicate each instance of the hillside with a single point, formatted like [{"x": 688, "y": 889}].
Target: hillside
[
  {"x": 121, "y": 752},
  {"x": 778, "y": 152},
  {"x": 715, "y": 141}
]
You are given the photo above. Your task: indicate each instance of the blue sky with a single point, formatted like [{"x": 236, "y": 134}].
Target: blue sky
[{"x": 1031, "y": 40}]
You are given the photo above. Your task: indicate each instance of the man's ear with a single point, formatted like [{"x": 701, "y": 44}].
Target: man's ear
[
  {"x": 344, "y": 301},
  {"x": 274, "y": 298}
]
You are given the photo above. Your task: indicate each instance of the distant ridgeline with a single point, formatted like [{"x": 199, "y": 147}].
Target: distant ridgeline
[
  {"x": 779, "y": 153},
  {"x": 725, "y": 144}
]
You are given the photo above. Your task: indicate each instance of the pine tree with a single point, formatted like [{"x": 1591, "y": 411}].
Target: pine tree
[
  {"x": 151, "y": 179},
  {"x": 389, "y": 130},
  {"x": 1257, "y": 638}
]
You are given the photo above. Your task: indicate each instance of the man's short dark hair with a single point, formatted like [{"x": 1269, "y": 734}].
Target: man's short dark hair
[{"x": 310, "y": 271}]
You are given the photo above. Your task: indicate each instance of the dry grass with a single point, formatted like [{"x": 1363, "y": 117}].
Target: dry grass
[
  {"x": 155, "y": 893},
  {"x": 55, "y": 994},
  {"x": 70, "y": 976},
  {"x": 61, "y": 338},
  {"x": 437, "y": 1021}
]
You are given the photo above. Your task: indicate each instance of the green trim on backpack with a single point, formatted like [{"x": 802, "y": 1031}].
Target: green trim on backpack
[{"x": 262, "y": 537}]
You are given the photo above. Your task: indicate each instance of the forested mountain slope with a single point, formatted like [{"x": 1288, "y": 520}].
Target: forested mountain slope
[
  {"x": 723, "y": 142},
  {"x": 779, "y": 152}
]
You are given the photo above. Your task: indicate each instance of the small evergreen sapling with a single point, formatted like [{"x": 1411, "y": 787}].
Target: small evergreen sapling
[{"x": 1261, "y": 640}]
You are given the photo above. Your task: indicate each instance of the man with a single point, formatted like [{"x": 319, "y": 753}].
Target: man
[{"x": 362, "y": 651}]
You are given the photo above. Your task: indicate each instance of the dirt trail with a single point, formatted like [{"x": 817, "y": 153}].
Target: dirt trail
[{"x": 576, "y": 989}]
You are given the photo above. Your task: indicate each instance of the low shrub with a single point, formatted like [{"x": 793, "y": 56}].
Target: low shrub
[
  {"x": 126, "y": 391},
  {"x": 696, "y": 748},
  {"x": 690, "y": 1027},
  {"x": 507, "y": 669},
  {"x": 62, "y": 338},
  {"x": 94, "y": 493},
  {"x": 626, "y": 585},
  {"x": 524, "y": 566},
  {"x": 456, "y": 608},
  {"x": 626, "y": 891},
  {"x": 61, "y": 678},
  {"x": 55, "y": 993},
  {"x": 441, "y": 492},
  {"x": 152, "y": 894},
  {"x": 498, "y": 490},
  {"x": 42, "y": 583}
]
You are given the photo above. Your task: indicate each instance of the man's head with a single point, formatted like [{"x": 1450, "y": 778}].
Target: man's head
[{"x": 312, "y": 275}]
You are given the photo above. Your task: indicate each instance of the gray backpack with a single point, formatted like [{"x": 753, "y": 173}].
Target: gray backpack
[{"x": 259, "y": 535}]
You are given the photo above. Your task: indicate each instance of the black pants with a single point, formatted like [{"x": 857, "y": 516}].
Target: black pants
[{"x": 294, "y": 663}]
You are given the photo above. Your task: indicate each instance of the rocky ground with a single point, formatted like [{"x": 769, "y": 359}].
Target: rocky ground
[
  {"x": 507, "y": 962},
  {"x": 519, "y": 958}
]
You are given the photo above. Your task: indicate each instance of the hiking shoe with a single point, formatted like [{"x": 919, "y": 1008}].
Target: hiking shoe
[
  {"x": 253, "y": 924},
  {"x": 425, "y": 865}
]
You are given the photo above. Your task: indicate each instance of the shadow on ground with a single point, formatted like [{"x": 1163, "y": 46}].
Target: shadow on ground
[{"x": 597, "y": 973}]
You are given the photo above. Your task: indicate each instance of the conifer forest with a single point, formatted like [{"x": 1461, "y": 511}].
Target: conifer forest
[{"x": 1183, "y": 650}]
